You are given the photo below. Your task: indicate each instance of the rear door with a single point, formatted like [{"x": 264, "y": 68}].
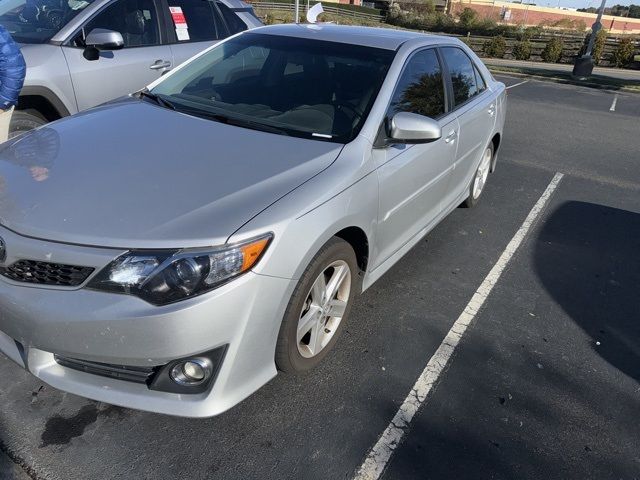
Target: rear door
[
  {"x": 194, "y": 25},
  {"x": 414, "y": 178},
  {"x": 475, "y": 108},
  {"x": 119, "y": 72}
]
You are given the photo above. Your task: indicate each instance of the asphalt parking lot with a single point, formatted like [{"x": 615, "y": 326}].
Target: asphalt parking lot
[{"x": 545, "y": 382}]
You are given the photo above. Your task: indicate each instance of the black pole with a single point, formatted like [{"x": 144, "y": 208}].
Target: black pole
[{"x": 584, "y": 63}]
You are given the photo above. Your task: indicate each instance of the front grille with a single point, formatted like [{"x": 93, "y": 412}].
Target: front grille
[
  {"x": 45, "y": 273},
  {"x": 121, "y": 372}
]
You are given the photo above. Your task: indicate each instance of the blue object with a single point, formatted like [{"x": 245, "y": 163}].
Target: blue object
[{"x": 12, "y": 70}]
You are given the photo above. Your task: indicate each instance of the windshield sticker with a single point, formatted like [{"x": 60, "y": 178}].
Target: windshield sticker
[{"x": 180, "y": 21}]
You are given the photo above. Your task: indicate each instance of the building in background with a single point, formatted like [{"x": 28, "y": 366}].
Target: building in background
[{"x": 531, "y": 15}]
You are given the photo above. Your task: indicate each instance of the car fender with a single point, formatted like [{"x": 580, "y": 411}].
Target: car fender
[{"x": 343, "y": 195}]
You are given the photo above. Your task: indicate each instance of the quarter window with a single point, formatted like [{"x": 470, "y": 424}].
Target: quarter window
[
  {"x": 136, "y": 20},
  {"x": 420, "y": 88},
  {"x": 480, "y": 81},
  {"x": 203, "y": 22},
  {"x": 462, "y": 72}
]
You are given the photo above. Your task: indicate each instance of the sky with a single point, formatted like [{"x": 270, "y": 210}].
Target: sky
[{"x": 583, "y": 3}]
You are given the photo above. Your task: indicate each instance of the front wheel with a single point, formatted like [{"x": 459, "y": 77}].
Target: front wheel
[
  {"x": 24, "y": 120},
  {"x": 318, "y": 308},
  {"x": 480, "y": 178}
]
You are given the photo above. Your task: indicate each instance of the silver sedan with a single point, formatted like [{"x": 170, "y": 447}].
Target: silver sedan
[{"x": 171, "y": 251}]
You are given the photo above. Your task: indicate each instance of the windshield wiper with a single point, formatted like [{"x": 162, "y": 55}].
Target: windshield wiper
[
  {"x": 238, "y": 122},
  {"x": 158, "y": 99}
]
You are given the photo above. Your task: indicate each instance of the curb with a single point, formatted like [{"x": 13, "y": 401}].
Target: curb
[{"x": 566, "y": 81}]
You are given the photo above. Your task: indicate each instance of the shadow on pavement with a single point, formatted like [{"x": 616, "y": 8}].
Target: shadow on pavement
[{"x": 588, "y": 258}]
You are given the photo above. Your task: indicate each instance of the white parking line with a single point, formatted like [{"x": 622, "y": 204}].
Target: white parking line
[
  {"x": 379, "y": 455},
  {"x": 613, "y": 104},
  {"x": 517, "y": 84}
]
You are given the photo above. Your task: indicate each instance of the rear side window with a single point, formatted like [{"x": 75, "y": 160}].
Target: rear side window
[
  {"x": 233, "y": 21},
  {"x": 463, "y": 75},
  {"x": 420, "y": 88},
  {"x": 196, "y": 20}
]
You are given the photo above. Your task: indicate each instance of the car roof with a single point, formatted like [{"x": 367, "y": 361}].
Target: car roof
[{"x": 386, "y": 38}]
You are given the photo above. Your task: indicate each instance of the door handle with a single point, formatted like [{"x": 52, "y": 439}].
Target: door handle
[
  {"x": 492, "y": 110},
  {"x": 451, "y": 137},
  {"x": 160, "y": 65}
]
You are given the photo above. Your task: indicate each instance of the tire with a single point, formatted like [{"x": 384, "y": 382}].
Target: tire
[
  {"x": 297, "y": 350},
  {"x": 479, "y": 180},
  {"x": 24, "y": 120}
]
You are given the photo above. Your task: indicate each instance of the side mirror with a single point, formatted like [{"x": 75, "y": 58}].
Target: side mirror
[
  {"x": 103, "y": 39},
  {"x": 413, "y": 128}
]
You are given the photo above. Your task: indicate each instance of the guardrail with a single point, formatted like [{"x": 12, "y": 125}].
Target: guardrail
[{"x": 290, "y": 7}]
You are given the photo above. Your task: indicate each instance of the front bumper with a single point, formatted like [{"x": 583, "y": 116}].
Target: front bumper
[{"x": 244, "y": 315}]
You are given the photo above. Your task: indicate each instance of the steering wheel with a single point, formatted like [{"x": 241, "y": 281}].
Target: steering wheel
[
  {"x": 215, "y": 96},
  {"x": 357, "y": 114}
]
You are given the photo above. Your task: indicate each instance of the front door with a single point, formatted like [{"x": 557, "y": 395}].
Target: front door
[
  {"x": 119, "y": 72},
  {"x": 413, "y": 178},
  {"x": 475, "y": 108}
]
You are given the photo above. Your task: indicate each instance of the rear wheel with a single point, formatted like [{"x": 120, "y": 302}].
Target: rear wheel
[
  {"x": 318, "y": 308},
  {"x": 24, "y": 120},
  {"x": 480, "y": 178}
]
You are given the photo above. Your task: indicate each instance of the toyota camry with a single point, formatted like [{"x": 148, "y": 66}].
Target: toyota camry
[{"x": 173, "y": 250}]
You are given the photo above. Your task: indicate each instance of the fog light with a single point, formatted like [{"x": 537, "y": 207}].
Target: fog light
[{"x": 191, "y": 372}]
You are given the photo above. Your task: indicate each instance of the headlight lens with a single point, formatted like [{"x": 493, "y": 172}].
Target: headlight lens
[{"x": 167, "y": 276}]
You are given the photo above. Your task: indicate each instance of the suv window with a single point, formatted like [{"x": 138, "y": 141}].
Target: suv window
[
  {"x": 203, "y": 22},
  {"x": 233, "y": 21},
  {"x": 463, "y": 77},
  {"x": 421, "y": 88},
  {"x": 37, "y": 22},
  {"x": 136, "y": 20}
]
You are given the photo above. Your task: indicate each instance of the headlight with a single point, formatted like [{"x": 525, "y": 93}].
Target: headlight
[{"x": 166, "y": 276}]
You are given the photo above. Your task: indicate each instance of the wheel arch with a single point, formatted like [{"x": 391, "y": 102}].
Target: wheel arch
[
  {"x": 357, "y": 238},
  {"x": 495, "y": 141},
  {"x": 44, "y": 101}
]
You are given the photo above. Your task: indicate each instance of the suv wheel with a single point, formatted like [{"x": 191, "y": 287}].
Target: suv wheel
[{"x": 25, "y": 120}]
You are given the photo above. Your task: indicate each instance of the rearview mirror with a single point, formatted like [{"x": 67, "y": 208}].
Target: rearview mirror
[
  {"x": 103, "y": 39},
  {"x": 413, "y": 128}
]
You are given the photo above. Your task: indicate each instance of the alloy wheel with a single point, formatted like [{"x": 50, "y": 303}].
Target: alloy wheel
[
  {"x": 323, "y": 308},
  {"x": 481, "y": 174}
]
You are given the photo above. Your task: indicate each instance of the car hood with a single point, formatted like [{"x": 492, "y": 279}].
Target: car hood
[{"x": 135, "y": 175}]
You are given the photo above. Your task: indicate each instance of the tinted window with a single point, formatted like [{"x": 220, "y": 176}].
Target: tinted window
[
  {"x": 203, "y": 22},
  {"x": 36, "y": 22},
  {"x": 420, "y": 88},
  {"x": 462, "y": 73},
  {"x": 284, "y": 85},
  {"x": 136, "y": 20},
  {"x": 233, "y": 21}
]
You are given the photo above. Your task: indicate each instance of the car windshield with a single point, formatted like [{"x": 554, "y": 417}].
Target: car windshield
[
  {"x": 286, "y": 85},
  {"x": 36, "y": 21}
]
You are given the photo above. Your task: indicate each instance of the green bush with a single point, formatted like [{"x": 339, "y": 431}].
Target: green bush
[
  {"x": 496, "y": 47},
  {"x": 522, "y": 50},
  {"x": 598, "y": 45},
  {"x": 623, "y": 53},
  {"x": 468, "y": 18},
  {"x": 552, "y": 52},
  {"x": 528, "y": 33}
]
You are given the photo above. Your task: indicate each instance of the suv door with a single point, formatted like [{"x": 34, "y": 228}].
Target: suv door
[
  {"x": 195, "y": 25},
  {"x": 119, "y": 72},
  {"x": 413, "y": 178},
  {"x": 475, "y": 107}
]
